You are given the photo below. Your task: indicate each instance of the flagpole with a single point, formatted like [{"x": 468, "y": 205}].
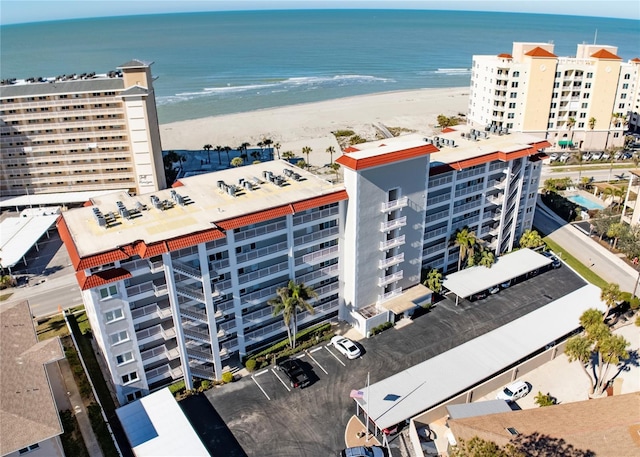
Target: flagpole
[{"x": 367, "y": 411}]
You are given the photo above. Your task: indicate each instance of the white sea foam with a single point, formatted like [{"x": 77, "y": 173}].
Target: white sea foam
[{"x": 285, "y": 85}]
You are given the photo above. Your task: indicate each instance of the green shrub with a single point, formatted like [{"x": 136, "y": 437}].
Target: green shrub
[
  {"x": 250, "y": 364},
  {"x": 544, "y": 400},
  {"x": 381, "y": 328},
  {"x": 177, "y": 387},
  {"x": 227, "y": 377},
  {"x": 101, "y": 431},
  {"x": 339, "y": 133}
]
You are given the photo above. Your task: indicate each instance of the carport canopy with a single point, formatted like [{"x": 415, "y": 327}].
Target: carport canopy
[
  {"x": 58, "y": 198},
  {"x": 428, "y": 384},
  {"x": 469, "y": 281},
  {"x": 19, "y": 234}
]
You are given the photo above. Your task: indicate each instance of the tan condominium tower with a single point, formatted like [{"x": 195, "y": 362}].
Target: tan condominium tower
[
  {"x": 582, "y": 101},
  {"x": 85, "y": 132}
]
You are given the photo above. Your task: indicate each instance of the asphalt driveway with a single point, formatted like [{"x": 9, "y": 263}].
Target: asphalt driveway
[{"x": 267, "y": 418}]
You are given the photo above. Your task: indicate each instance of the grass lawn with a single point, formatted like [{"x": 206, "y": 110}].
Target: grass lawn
[
  {"x": 51, "y": 327},
  {"x": 574, "y": 263},
  {"x": 4, "y": 297}
]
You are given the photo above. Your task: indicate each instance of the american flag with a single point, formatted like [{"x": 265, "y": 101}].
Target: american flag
[{"x": 356, "y": 394}]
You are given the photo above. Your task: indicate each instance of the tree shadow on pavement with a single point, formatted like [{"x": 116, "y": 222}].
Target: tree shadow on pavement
[{"x": 210, "y": 427}]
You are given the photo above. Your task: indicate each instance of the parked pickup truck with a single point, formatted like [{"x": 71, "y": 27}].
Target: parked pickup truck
[{"x": 296, "y": 373}]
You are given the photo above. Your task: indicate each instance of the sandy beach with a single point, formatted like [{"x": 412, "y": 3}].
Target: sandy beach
[{"x": 311, "y": 124}]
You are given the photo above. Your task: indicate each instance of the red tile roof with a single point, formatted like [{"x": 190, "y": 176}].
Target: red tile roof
[
  {"x": 192, "y": 239},
  {"x": 539, "y": 52},
  {"x": 319, "y": 201},
  {"x": 103, "y": 258},
  {"x": 101, "y": 278},
  {"x": 635, "y": 59},
  {"x": 88, "y": 203},
  {"x": 255, "y": 218},
  {"x": 448, "y": 129},
  {"x": 604, "y": 54},
  {"x": 153, "y": 249},
  {"x": 505, "y": 56},
  {"x": 351, "y": 149},
  {"x": 382, "y": 159},
  {"x": 177, "y": 184}
]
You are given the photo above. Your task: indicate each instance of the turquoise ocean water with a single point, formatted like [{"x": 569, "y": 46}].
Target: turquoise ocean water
[{"x": 219, "y": 63}]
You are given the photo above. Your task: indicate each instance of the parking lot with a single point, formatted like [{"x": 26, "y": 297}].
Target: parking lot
[{"x": 260, "y": 415}]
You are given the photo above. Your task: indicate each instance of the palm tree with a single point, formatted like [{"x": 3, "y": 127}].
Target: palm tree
[
  {"x": 289, "y": 300},
  {"x": 331, "y": 150},
  {"x": 219, "y": 149},
  {"x": 592, "y": 125},
  {"x": 307, "y": 150},
  {"x": 531, "y": 239},
  {"x": 288, "y": 155},
  {"x": 227, "y": 149},
  {"x": 570, "y": 124},
  {"x": 255, "y": 155},
  {"x": 260, "y": 144},
  {"x": 302, "y": 164},
  {"x": 580, "y": 161},
  {"x": 277, "y": 146},
  {"x": 336, "y": 169},
  {"x": 466, "y": 241},
  {"x": 610, "y": 295},
  {"x": 237, "y": 162},
  {"x": 434, "y": 280},
  {"x": 208, "y": 147},
  {"x": 267, "y": 144},
  {"x": 487, "y": 259}
]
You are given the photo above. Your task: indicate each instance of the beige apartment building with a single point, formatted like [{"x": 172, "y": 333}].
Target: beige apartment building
[
  {"x": 83, "y": 132},
  {"x": 581, "y": 102}
]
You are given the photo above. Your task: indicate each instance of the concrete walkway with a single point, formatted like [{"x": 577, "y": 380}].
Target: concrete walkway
[
  {"x": 603, "y": 262},
  {"x": 79, "y": 410}
]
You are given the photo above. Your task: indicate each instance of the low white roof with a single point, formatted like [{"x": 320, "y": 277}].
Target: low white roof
[
  {"x": 416, "y": 389},
  {"x": 19, "y": 234},
  {"x": 54, "y": 198},
  {"x": 469, "y": 281},
  {"x": 156, "y": 426}
]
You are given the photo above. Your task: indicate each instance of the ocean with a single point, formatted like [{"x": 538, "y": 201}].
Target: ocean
[{"x": 226, "y": 62}]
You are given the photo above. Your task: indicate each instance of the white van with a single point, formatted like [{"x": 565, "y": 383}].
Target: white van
[{"x": 513, "y": 391}]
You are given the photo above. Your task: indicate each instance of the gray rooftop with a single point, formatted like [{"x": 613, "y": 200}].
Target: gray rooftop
[
  {"x": 479, "y": 408},
  {"x": 28, "y": 412},
  {"x": 98, "y": 83}
]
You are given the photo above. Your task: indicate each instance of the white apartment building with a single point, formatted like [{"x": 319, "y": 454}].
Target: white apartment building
[
  {"x": 570, "y": 101},
  {"x": 176, "y": 283},
  {"x": 83, "y": 132}
]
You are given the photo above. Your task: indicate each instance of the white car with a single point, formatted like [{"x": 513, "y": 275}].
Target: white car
[
  {"x": 513, "y": 391},
  {"x": 346, "y": 347}
]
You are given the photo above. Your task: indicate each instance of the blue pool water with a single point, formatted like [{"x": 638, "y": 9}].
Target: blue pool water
[{"x": 580, "y": 200}]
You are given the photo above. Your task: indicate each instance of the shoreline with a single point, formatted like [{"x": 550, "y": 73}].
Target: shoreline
[{"x": 311, "y": 124}]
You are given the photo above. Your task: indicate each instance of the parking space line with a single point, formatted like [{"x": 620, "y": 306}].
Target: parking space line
[
  {"x": 319, "y": 348},
  {"x": 260, "y": 387},
  {"x": 266, "y": 370},
  {"x": 335, "y": 356},
  {"x": 280, "y": 379},
  {"x": 300, "y": 356},
  {"x": 317, "y": 363}
]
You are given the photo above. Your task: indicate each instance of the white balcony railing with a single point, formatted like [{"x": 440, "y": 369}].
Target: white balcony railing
[
  {"x": 394, "y": 224},
  {"x": 396, "y": 259},
  {"x": 395, "y": 204},
  {"x": 389, "y": 295},
  {"x": 390, "y": 278},
  {"x": 392, "y": 243}
]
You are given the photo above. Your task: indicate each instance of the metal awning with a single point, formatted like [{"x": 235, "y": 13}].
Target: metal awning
[
  {"x": 421, "y": 387},
  {"x": 409, "y": 299},
  {"x": 469, "y": 281},
  {"x": 565, "y": 143}
]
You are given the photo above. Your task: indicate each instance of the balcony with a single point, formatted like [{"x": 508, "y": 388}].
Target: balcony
[
  {"x": 155, "y": 266},
  {"x": 197, "y": 335},
  {"x": 257, "y": 253},
  {"x": 315, "y": 215},
  {"x": 195, "y": 313},
  {"x": 497, "y": 184},
  {"x": 259, "y": 231},
  {"x": 159, "y": 353},
  {"x": 496, "y": 199},
  {"x": 204, "y": 374},
  {"x": 469, "y": 190},
  {"x": 395, "y": 204},
  {"x": 315, "y": 258},
  {"x": 394, "y": 224},
  {"x": 187, "y": 270},
  {"x": 159, "y": 288},
  {"x": 162, "y": 372},
  {"x": 389, "y": 295},
  {"x": 386, "y": 263},
  {"x": 263, "y": 272},
  {"x": 437, "y": 216},
  {"x": 392, "y": 243},
  {"x": 326, "y": 233},
  {"x": 198, "y": 354},
  {"x": 438, "y": 199},
  {"x": 155, "y": 310},
  {"x": 391, "y": 278}
]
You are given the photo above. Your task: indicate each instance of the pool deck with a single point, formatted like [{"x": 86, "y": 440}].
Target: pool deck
[{"x": 593, "y": 201}]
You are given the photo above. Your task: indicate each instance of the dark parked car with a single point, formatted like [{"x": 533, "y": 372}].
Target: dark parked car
[{"x": 296, "y": 373}]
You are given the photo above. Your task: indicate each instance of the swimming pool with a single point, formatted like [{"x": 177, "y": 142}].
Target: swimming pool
[{"x": 580, "y": 200}]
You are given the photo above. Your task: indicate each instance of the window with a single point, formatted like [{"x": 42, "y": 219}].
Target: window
[
  {"x": 124, "y": 358},
  {"x": 587, "y": 85},
  {"x": 621, "y": 105},
  {"x": 24, "y": 450},
  {"x": 625, "y": 86},
  {"x": 585, "y": 95},
  {"x": 623, "y": 96},
  {"x": 119, "y": 337},
  {"x": 583, "y": 115},
  {"x": 512, "y": 115},
  {"x": 558, "y": 74},
  {"x": 130, "y": 377},
  {"x": 554, "y": 105},
  {"x": 512, "y": 105},
  {"x": 108, "y": 292},
  {"x": 513, "y": 95},
  {"x": 509, "y": 125},
  {"x": 580, "y": 125},
  {"x": 134, "y": 395},
  {"x": 584, "y": 105},
  {"x": 556, "y": 85},
  {"x": 627, "y": 76},
  {"x": 516, "y": 74},
  {"x": 113, "y": 315},
  {"x": 550, "y": 125},
  {"x": 514, "y": 84},
  {"x": 589, "y": 75}
]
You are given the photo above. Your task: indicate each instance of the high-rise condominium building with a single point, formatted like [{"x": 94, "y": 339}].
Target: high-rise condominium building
[
  {"x": 81, "y": 133},
  {"x": 176, "y": 283},
  {"x": 582, "y": 101}
]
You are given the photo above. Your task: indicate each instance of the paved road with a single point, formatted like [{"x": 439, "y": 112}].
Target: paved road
[
  {"x": 603, "y": 262},
  {"x": 572, "y": 172}
]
